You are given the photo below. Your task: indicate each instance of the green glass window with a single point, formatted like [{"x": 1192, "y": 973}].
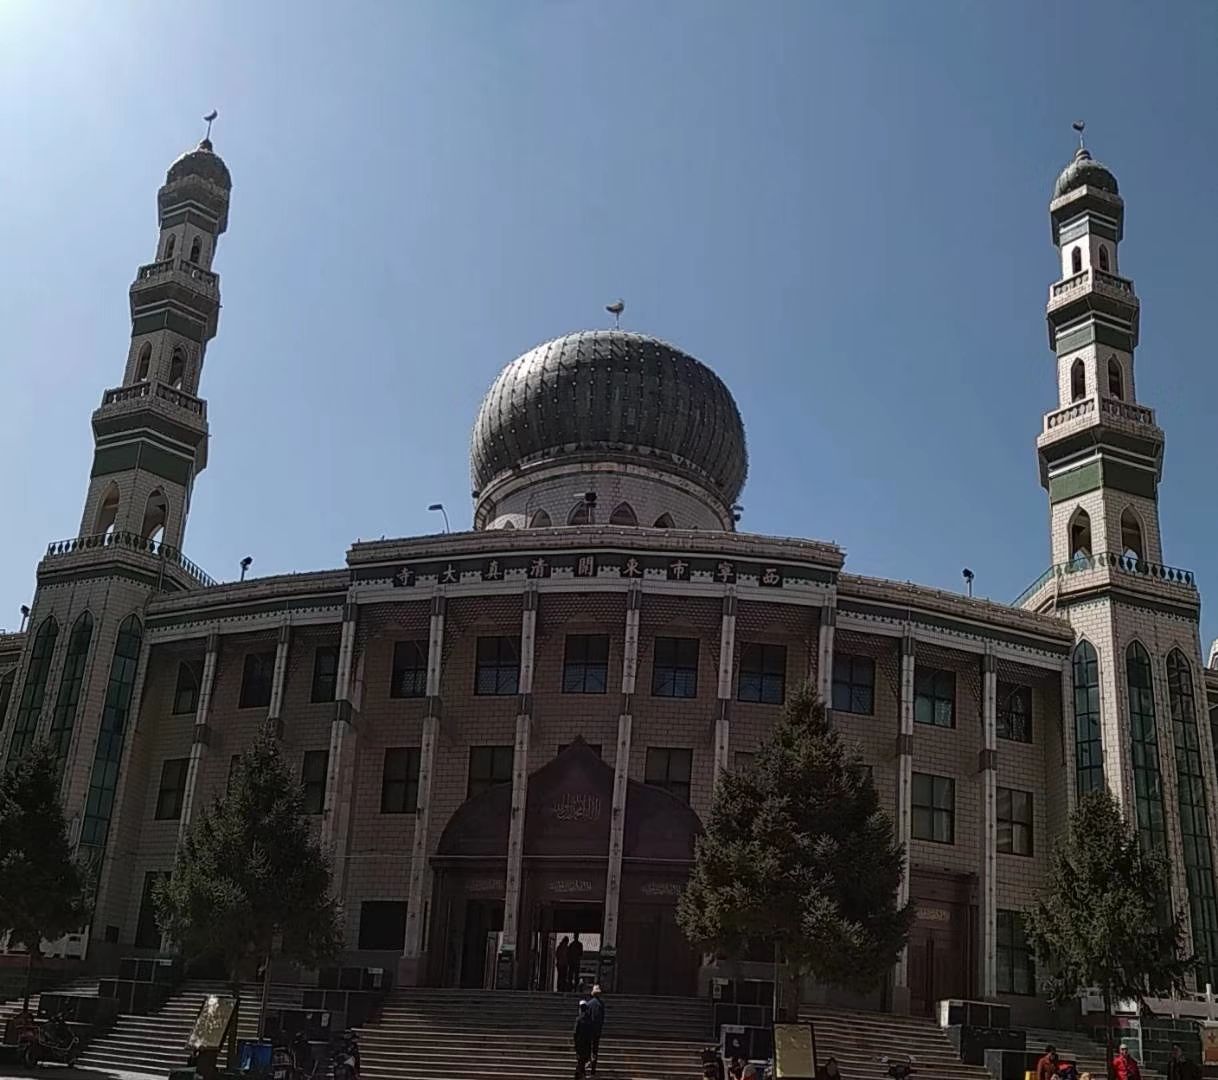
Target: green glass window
[
  {"x": 935, "y": 697},
  {"x": 1147, "y": 782},
  {"x": 29, "y": 708},
  {"x": 1088, "y": 750},
  {"x": 64, "y": 717}
]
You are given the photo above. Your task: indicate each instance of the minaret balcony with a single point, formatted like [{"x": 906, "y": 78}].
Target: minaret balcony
[
  {"x": 204, "y": 280},
  {"x": 151, "y": 393},
  {"x": 156, "y": 561},
  {"x": 1107, "y": 570},
  {"x": 1096, "y": 410},
  {"x": 1092, "y": 291},
  {"x": 154, "y": 404},
  {"x": 177, "y": 284}
]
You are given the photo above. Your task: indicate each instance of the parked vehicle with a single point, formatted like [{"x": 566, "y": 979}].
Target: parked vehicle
[
  {"x": 346, "y": 1058},
  {"x": 51, "y": 1040},
  {"x": 898, "y": 1069}
]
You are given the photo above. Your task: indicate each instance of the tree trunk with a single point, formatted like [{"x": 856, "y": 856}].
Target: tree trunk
[
  {"x": 266, "y": 994},
  {"x": 1108, "y": 1033},
  {"x": 235, "y": 986},
  {"x": 29, "y": 976}
]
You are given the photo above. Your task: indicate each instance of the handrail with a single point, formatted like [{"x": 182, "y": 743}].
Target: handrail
[
  {"x": 1125, "y": 564},
  {"x": 132, "y": 542}
]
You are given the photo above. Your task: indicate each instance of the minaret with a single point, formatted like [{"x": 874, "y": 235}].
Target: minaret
[
  {"x": 1138, "y": 696},
  {"x": 82, "y": 667}
]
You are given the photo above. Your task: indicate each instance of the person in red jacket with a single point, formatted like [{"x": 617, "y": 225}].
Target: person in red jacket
[
  {"x": 1046, "y": 1067},
  {"x": 1125, "y": 1065}
]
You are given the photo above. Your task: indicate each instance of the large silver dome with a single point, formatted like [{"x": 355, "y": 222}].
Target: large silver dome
[{"x": 609, "y": 394}]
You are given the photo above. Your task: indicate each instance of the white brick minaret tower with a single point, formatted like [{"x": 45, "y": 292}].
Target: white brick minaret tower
[
  {"x": 80, "y": 675},
  {"x": 1139, "y": 723}
]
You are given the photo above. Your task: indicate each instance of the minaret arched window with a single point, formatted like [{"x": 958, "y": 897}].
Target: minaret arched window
[
  {"x": 580, "y": 514},
  {"x": 1103, "y": 258},
  {"x": 1078, "y": 381},
  {"x": 1147, "y": 779},
  {"x": 623, "y": 514},
  {"x": 107, "y": 511},
  {"x": 195, "y": 248},
  {"x": 115, "y": 712},
  {"x": 1080, "y": 536},
  {"x": 70, "y": 681},
  {"x": 539, "y": 520},
  {"x": 145, "y": 361},
  {"x": 156, "y": 516},
  {"x": 177, "y": 368},
  {"x": 1131, "y": 535},
  {"x": 1088, "y": 748},
  {"x": 1194, "y": 823},
  {"x": 1076, "y": 261},
  {"x": 1116, "y": 384},
  {"x": 664, "y": 521},
  {"x": 169, "y": 245},
  {"x": 29, "y": 708}
]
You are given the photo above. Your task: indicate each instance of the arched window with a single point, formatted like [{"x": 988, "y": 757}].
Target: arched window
[
  {"x": 1080, "y": 536},
  {"x": 169, "y": 245},
  {"x": 1076, "y": 261},
  {"x": 195, "y": 248},
  {"x": 623, "y": 514},
  {"x": 508, "y": 526},
  {"x": 104, "y": 778},
  {"x": 1147, "y": 781},
  {"x": 156, "y": 516},
  {"x": 29, "y": 708},
  {"x": 664, "y": 521},
  {"x": 1078, "y": 381},
  {"x": 1131, "y": 535},
  {"x": 1088, "y": 749},
  {"x": 6, "y": 693},
  {"x": 1194, "y": 824},
  {"x": 177, "y": 368},
  {"x": 107, "y": 511},
  {"x": 539, "y": 520},
  {"x": 1103, "y": 258},
  {"x": 580, "y": 514},
  {"x": 1116, "y": 384},
  {"x": 145, "y": 361},
  {"x": 70, "y": 682}
]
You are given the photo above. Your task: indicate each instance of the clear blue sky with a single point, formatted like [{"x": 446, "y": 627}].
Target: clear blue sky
[{"x": 841, "y": 207}]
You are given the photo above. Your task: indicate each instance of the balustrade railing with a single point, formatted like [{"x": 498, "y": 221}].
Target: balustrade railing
[
  {"x": 126, "y": 393},
  {"x": 130, "y": 542},
  {"x": 1112, "y": 283},
  {"x": 181, "y": 399},
  {"x": 1100, "y": 280},
  {"x": 156, "y": 269},
  {"x": 1126, "y": 410},
  {"x": 1068, "y": 285},
  {"x": 1110, "y": 560},
  {"x": 1071, "y": 412},
  {"x": 197, "y": 272},
  {"x": 182, "y": 266},
  {"x": 148, "y": 388}
]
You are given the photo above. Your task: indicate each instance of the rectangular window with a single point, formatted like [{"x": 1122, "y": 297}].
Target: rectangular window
[
  {"x": 409, "y": 669},
  {"x": 1016, "y": 964},
  {"x": 488, "y": 766},
  {"x": 934, "y": 808},
  {"x": 670, "y": 768},
  {"x": 256, "y": 680},
  {"x": 934, "y": 697},
  {"x": 313, "y": 779},
  {"x": 172, "y": 790},
  {"x": 325, "y": 673},
  {"x": 595, "y": 747},
  {"x": 400, "y": 780},
  {"x": 743, "y": 760},
  {"x": 854, "y": 684},
  {"x": 1015, "y": 712},
  {"x": 186, "y": 691},
  {"x": 382, "y": 925},
  {"x": 585, "y": 667},
  {"x": 498, "y": 669},
  {"x": 1014, "y": 821},
  {"x": 763, "y": 674},
  {"x": 675, "y": 670}
]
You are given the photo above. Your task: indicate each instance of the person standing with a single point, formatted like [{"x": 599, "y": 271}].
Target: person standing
[
  {"x": 1125, "y": 1065},
  {"x": 575, "y": 957},
  {"x": 596, "y": 1010},
  {"x": 1179, "y": 1067},
  {"x": 560, "y": 962},
  {"x": 1046, "y": 1066},
  {"x": 583, "y": 1041}
]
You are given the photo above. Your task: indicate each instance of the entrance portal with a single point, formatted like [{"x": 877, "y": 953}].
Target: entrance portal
[
  {"x": 480, "y": 942},
  {"x": 570, "y": 921},
  {"x": 942, "y": 942}
]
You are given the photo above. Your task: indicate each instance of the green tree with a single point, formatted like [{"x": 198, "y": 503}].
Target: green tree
[
  {"x": 1104, "y": 920},
  {"x": 797, "y": 856},
  {"x": 42, "y": 890},
  {"x": 250, "y": 877}
]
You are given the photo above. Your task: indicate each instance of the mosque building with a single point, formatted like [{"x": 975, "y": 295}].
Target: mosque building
[{"x": 513, "y": 733}]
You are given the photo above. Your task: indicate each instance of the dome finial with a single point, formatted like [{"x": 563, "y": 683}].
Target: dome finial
[
  {"x": 209, "y": 119},
  {"x": 615, "y": 309},
  {"x": 1078, "y": 126}
]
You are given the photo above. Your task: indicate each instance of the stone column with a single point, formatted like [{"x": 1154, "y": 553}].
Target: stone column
[
  {"x": 727, "y": 651},
  {"x": 340, "y": 730},
  {"x": 621, "y": 776},
  {"x": 202, "y": 733},
  {"x": 409, "y": 967},
  {"x": 987, "y": 767},
  {"x": 1068, "y": 736},
  {"x": 900, "y": 991},
  {"x": 278, "y": 678},
  {"x": 824, "y": 663},
  {"x": 505, "y": 978}
]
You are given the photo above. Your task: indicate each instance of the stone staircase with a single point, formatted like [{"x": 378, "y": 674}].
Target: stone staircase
[
  {"x": 155, "y": 1044},
  {"x": 859, "y": 1039},
  {"x": 1087, "y": 1055},
  {"x": 85, "y": 986},
  {"x": 422, "y": 1034}
]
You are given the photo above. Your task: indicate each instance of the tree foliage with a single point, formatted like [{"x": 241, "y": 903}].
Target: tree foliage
[
  {"x": 1105, "y": 920},
  {"x": 42, "y": 890},
  {"x": 249, "y": 875},
  {"x": 798, "y": 855}
]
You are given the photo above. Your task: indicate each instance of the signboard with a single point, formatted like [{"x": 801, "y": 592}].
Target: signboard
[
  {"x": 1209, "y": 1043},
  {"x": 215, "y": 1014},
  {"x": 794, "y": 1052}
]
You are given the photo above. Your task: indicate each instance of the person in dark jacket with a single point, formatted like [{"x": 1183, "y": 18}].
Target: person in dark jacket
[
  {"x": 575, "y": 957},
  {"x": 596, "y": 1009},
  {"x": 560, "y": 962},
  {"x": 1179, "y": 1067},
  {"x": 583, "y": 1041}
]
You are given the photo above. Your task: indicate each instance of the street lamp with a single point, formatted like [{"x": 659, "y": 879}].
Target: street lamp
[
  {"x": 246, "y": 563},
  {"x": 440, "y": 508}
]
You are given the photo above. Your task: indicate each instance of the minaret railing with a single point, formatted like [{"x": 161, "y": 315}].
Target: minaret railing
[
  {"x": 1110, "y": 560},
  {"x": 129, "y": 541}
]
